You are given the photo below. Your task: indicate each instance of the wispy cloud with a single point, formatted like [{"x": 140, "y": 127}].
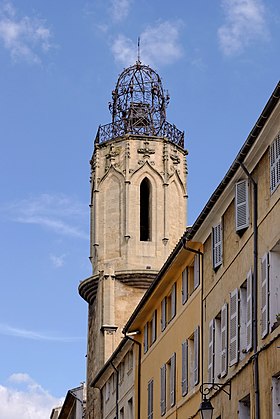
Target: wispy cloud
[
  {"x": 23, "y": 36},
  {"x": 160, "y": 44},
  {"x": 119, "y": 9},
  {"x": 57, "y": 261},
  {"x": 245, "y": 23},
  {"x": 34, "y": 335},
  {"x": 24, "y": 398},
  {"x": 57, "y": 213}
]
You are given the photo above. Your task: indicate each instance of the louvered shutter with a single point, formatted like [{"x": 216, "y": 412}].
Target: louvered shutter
[
  {"x": 211, "y": 352},
  {"x": 163, "y": 314},
  {"x": 150, "y": 399},
  {"x": 224, "y": 340},
  {"x": 217, "y": 245},
  {"x": 233, "y": 329},
  {"x": 184, "y": 368},
  {"x": 154, "y": 326},
  {"x": 173, "y": 301},
  {"x": 146, "y": 337},
  {"x": 173, "y": 380},
  {"x": 264, "y": 295},
  {"x": 241, "y": 205},
  {"x": 184, "y": 285},
  {"x": 249, "y": 311},
  {"x": 196, "y": 271},
  {"x": 275, "y": 164},
  {"x": 163, "y": 389},
  {"x": 196, "y": 356}
]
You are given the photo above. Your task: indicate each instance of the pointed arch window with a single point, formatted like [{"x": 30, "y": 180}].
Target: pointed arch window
[{"x": 145, "y": 210}]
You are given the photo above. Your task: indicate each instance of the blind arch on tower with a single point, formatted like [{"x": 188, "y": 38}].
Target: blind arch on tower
[{"x": 145, "y": 210}]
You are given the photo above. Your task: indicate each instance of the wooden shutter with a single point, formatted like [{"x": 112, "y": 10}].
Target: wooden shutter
[
  {"x": 154, "y": 326},
  {"x": 275, "y": 164},
  {"x": 264, "y": 295},
  {"x": 184, "y": 285},
  {"x": 150, "y": 399},
  {"x": 211, "y": 352},
  {"x": 163, "y": 314},
  {"x": 233, "y": 329},
  {"x": 196, "y": 271},
  {"x": 241, "y": 205},
  {"x": 196, "y": 356},
  {"x": 163, "y": 389},
  {"x": 173, "y": 301},
  {"x": 184, "y": 368},
  {"x": 173, "y": 380},
  {"x": 146, "y": 337},
  {"x": 224, "y": 340},
  {"x": 249, "y": 311},
  {"x": 217, "y": 245}
]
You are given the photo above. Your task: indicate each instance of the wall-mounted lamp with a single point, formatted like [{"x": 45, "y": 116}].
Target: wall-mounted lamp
[{"x": 206, "y": 408}]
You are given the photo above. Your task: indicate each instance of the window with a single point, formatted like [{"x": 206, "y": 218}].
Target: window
[
  {"x": 233, "y": 327},
  {"x": 244, "y": 408},
  {"x": 168, "y": 307},
  {"x": 264, "y": 295},
  {"x": 150, "y": 399},
  {"x": 241, "y": 205},
  {"x": 190, "y": 279},
  {"x": 275, "y": 164},
  {"x": 130, "y": 408},
  {"x": 168, "y": 384},
  {"x": 150, "y": 332},
  {"x": 145, "y": 210},
  {"x": 217, "y": 245},
  {"x": 276, "y": 397},
  {"x": 113, "y": 382},
  {"x": 218, "y": 345},
  {"x": 130, "y": 361},
  {"x": 121, "y": 371},
  {"x": 107, "y": 391},
  {"x": 190, "y": 362},
  {"x": 245, "y": 316},
  {"x": 211, "y": 342},
  {"x": 185, "y": 382},
  {"x": 122, "y": 413}
]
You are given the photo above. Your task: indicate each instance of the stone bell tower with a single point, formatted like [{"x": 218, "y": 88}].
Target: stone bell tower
[{"x": 138, "y": 209}]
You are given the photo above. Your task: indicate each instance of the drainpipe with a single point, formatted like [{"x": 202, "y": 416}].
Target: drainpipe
[
  {"x": 139, "y": 372},
  {"x": 255, "y": 294},
  {"x": 117, "y": 389}
]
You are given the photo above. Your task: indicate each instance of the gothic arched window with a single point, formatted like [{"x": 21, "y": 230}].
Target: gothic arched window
[{"x": 145, "y": 210}]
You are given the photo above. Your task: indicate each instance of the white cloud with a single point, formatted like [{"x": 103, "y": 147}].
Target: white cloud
[
  {"x": 34, "y": 335},
  {"x": 23, "y": 36},
  {"x": 119, "y": 9},
  {"x": 57, "y": 261},
  {"x": 57, "y": 213},
  {"x": 24, "y": 398},
  {"x": 245, "y": 23},
  {"x": 159, "y": 44}
]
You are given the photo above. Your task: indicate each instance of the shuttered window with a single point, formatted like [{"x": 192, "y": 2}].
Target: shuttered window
[
  {"x": 233, "y": 329},
  {"x": 224, "y": 340},
  {"x": 146, "y": 337},
  {"x": 275, "y": 164},
  {"x": 249, "y": 312},
  {"x": 173, "y": 301},
  {"x": 241, "y": 205},
  {"x": 264, "y": 295},
  {"x": 184, "y": 285},
  {"x": 154, "y": 327},
  {"x": 196, "y": 356},
  {"x": 211, "y": 352},
  {"x": 217, "y": 245},
  {"x": 163, "y": 314},
  {"x": 163, "y": 390},
  {"x": 196, "y": 273},
  {"x": 184, "y": 368},
  {"x": 172, "y": 380},
  {"x": 150, "y": 399}
]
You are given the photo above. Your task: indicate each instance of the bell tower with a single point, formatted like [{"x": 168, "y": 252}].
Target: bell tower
[{"x": 137, "y": 209}]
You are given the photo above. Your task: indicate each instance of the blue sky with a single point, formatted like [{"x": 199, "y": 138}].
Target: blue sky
[{"x": 59, "y": 61}]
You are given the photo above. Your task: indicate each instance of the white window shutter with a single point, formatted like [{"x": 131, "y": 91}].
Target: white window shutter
[
  {"x": 224, "y": 340},
  {"x": 163, "y": 314},
  {"x": 249, "y": 313},
  {"x": 173, "y": 380},
  {"x": 217, "y": 245},
  {"x": 150, "y": 399},
  {"x": 184, "y": 368},
  {"x": 264, "y": 295},
  {"x": 211, "y": 352},
  {"x": 196, "y": 271},
  {"x": 163, "y": 389},
  {"x": 173, "y": 301},
  {"x": 184, "y": 285},
  {"x": 241, "y": 205},
  {"x": 275, "y": 164},
  {"x": 196, "y": 356},
  {"x": 154, "y": 326},
  {"x": 233, "y": 329},
  {"x": 146, "y": 337}
]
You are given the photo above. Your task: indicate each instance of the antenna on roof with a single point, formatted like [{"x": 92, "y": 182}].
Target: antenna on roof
[{"x": 138, "y": 50}]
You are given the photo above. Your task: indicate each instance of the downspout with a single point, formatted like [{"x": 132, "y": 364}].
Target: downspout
[
  {"x": 255, "y": 294},
  {"x": 138, "y": 374},
  {"x": 117, "y": 389}
]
